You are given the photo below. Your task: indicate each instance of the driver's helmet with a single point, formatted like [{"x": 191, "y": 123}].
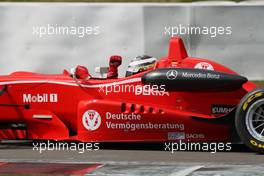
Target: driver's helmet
[{"x": 140, "y": 64}]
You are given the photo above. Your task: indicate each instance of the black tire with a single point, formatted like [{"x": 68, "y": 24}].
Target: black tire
[{"x": 243, "y": 128}]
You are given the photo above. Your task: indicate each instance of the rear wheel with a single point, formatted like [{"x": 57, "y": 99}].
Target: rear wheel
[{"x": 250, "y": 120}]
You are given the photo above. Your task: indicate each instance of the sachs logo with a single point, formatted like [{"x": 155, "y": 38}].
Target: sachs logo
[
  {"x": 204, "y": 66},
  {"x": 172, "y": 74},
  {"x": 91, "y": 120}
]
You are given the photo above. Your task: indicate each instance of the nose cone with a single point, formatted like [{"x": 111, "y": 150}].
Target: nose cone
[{"x": 177, "y": 51}]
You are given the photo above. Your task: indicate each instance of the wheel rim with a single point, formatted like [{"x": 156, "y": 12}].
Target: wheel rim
[{"x": 255, "y": 120}]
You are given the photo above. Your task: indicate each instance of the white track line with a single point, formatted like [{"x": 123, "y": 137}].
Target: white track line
[{"x": 186, "y": 171}]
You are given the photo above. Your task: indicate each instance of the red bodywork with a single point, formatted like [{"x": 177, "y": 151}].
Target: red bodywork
[{"x": 59, "y": 107}]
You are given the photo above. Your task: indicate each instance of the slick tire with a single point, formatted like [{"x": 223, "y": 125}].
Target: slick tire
[{"x": 249, "y": 120}]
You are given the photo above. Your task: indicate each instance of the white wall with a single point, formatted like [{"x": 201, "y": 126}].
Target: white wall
[{"x": 128, "y": 30}]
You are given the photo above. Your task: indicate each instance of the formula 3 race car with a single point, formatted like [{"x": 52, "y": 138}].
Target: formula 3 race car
[{"x": 174, "y": 98}]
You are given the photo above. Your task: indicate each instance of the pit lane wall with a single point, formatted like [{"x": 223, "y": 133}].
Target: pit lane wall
[{"x": 128, "y": 30}]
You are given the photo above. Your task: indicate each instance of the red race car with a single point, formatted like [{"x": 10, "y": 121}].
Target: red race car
[{"x": 174, "y": 98}]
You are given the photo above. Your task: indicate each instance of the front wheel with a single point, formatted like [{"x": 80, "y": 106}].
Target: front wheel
[{"x": 249, "y": 120}]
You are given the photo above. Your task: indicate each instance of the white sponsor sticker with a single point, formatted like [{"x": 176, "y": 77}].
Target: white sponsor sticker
[
  {"x": 182, "y": 136},
  {"x": 40, "y": 98},
  {"x": 204, "y": 66},
  {"x": 91, "y": 120},
  {"x": 176, "y": 135}
]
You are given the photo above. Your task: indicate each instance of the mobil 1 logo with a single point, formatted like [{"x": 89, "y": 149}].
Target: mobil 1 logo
[{"x": 40, "y": 98}]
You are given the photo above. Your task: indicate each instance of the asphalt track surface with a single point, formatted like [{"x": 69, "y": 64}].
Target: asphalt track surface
[{"x": 22, "y": 159}]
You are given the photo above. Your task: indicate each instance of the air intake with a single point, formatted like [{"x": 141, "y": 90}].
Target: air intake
[{"x": 129, "y": 108}]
